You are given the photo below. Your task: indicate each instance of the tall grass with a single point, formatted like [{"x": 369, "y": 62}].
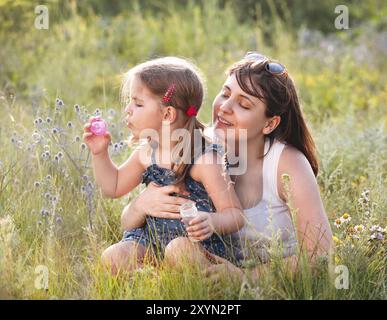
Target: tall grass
[{"x": 51, "y": 213}]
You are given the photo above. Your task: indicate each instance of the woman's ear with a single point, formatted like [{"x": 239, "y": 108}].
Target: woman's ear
[
  {"x": 271, "y": 124},
  {"x": 169, "y": 114}
]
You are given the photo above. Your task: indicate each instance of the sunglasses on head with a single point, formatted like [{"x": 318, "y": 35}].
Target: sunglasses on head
[{"x": 272, "y": 67}]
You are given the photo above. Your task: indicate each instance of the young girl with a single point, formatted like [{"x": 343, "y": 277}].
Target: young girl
[{"x": 164, "y": 95}]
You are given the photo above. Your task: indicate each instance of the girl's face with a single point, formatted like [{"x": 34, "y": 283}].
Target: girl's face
[
  {"x": 144, "y": 110},
  {"x": 233, "y": 109}
]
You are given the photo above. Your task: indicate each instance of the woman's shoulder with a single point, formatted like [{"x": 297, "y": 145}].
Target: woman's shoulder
[
  {"x": 295, "y": 165},
  {"x": 292, "y": 159}
]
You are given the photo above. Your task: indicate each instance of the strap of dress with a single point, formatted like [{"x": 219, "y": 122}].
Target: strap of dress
[
  {"x": 153, "y": 153},
  {"x": 211, "y": 147}
]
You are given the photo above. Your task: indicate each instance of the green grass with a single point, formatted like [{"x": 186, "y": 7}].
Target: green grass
[{"x": 80, "y": 60}]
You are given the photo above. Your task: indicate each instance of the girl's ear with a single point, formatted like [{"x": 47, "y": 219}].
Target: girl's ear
[
  {"x": 271, "y": 124},
  {"x": 169, "y": 114}
]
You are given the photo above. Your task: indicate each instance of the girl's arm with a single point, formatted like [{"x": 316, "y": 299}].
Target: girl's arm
[
  {"x": 229, "y": 215},
  {"x": 116, "y": 182}
]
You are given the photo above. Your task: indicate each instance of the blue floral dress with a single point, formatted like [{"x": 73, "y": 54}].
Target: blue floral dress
[{"x": 158, "y": 232}]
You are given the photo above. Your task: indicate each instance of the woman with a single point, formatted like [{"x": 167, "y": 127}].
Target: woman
[{"x": 260, "y": 97}]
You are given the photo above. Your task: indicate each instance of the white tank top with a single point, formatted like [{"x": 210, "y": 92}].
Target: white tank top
[{"x": 269, "y": 222}]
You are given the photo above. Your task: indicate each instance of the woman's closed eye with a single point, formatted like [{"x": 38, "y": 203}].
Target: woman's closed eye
[{"x": 243, "y": 107}]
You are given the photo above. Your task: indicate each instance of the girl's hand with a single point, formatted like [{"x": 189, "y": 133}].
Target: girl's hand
[
  {"x": 156, "y": 201},
  {"x": 96, "y": 144},
  {"x": 201, "y": 227}
]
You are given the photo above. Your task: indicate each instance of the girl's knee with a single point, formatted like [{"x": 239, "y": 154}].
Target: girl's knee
[
  {"x": 122, "y": 255},
  {"x": 177, "y": 250}
]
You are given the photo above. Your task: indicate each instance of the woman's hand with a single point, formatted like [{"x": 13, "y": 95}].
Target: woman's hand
[
  {"x": 156, "y": 201},
  {"x": 200, "y": 227},
  {"x": 96, "y": 144}
]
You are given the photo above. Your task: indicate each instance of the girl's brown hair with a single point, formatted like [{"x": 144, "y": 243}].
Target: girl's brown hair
[
  {"x": 158, "y": 75},
  {"x": 279, "y": 94}
]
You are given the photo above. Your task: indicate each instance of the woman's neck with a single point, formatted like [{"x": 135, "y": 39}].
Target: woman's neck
[{"x": 254, "y": 151}]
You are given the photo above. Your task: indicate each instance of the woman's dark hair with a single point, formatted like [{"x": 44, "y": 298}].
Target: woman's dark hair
[{"x": 279, "y": 94}]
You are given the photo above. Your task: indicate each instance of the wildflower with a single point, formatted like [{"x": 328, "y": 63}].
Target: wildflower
[
  {"x": 39, "y": 222},
  {"x": 346, "y": 217},
  {"x": 59, "y": 102},
  {"x": 54, "y": 130},
  {"x": 58, "y": 220},
  {"x": 376, "y": 227},
  {"x": 56, "y": 158},
  {"x": 36, "y": 137},
  {"x": 85, "y": 177},
  {"x": 44, "y": 213},
  {"x": 76, "y": 108},
  {"x": 60, "y": 154},
  {"x": 83, "y": 146},
  {"x": 338, "y": 223},
  {"x": 48, "y": 120},
  {"x": 377, "y": 236},
  {"x": 19, "y": 144},
  {"x": 337, "y": 260},
  {"x": 365, "y": 193},
  {"x": 48, "y": 177},
  {"x": 69, "y": 124},
  {"x": 54, "y": 200},
  {"x": 47, "y": 153},
  {"x": 336, "y": 240},
  {"x": 38, "y": 121},
  {"x": 359, "y": 228},
  {"x": 47, "y": 195},
  {"x": 37, "y": 184},
  {"x": 77, "y": 138}
]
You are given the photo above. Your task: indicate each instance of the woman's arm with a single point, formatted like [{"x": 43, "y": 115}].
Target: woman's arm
[
  {"x": 154, "y": 201},
  {"x": 303, "y": 196},
  {"x": 229, "y": 215}
]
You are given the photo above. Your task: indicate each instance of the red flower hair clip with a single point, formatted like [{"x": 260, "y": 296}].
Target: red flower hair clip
[
  {"x": 191, "y": 111},
  {"x": 168, "y": 95}
]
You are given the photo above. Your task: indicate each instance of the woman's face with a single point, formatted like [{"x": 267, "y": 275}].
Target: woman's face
[{"x": 233, "y": 109}]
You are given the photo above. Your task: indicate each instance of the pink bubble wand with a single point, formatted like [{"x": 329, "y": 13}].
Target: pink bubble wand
[{"x": 98, "y": 126}]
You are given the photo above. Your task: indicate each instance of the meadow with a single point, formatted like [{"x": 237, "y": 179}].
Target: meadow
[{"x": 54, "y": 222}]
